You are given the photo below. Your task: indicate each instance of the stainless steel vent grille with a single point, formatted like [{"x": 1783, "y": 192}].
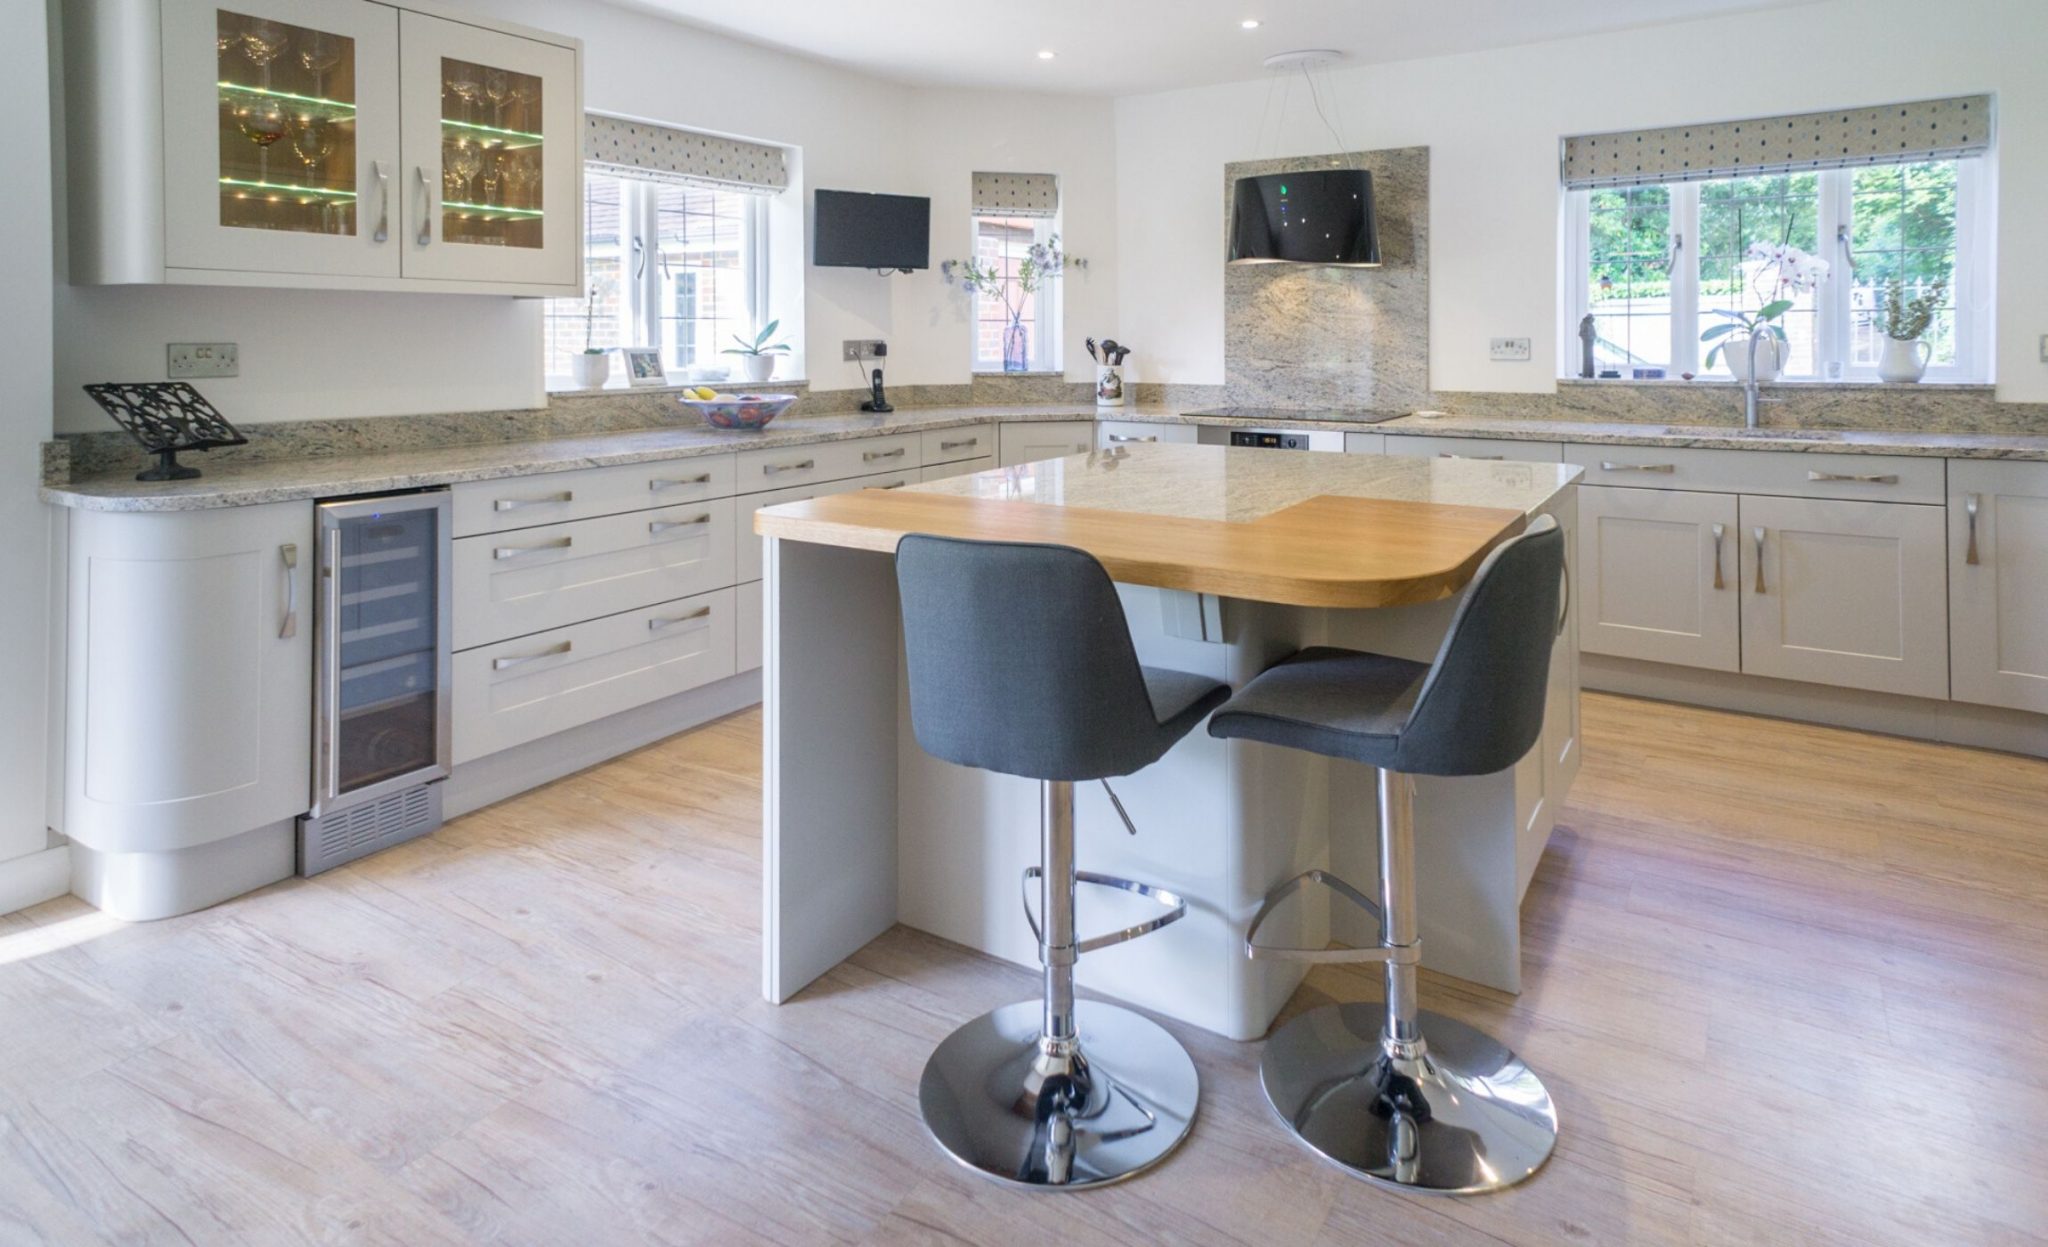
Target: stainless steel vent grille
[{"x": 345, "y": 835}]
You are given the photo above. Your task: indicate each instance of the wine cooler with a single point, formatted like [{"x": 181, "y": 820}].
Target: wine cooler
[{"x": 380, "y": 700}]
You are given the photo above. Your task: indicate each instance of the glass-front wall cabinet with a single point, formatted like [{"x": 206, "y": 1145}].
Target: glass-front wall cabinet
[
  {"x": 492, "y": 152},
  {"x": 287, "y": 126}
]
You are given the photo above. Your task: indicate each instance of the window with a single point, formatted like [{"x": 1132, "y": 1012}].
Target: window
[
  {"x": 1654, "y": 265},
  {"x": 668, "y": 264},
  {"x": 1027, "y": 325}
]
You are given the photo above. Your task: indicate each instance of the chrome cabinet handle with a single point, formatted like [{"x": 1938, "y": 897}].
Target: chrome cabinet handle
[
  {"x": 871, "y": 455},
  {"x": 801, "y": 465},
  {"x": 702, "y": 478},
  {"x": 1759, "y": 534},
  {"x": 1877, "y": 478},
  {"x": 513, "y": 504},
  {"x": 499, "y": 664},
  {"x": 972, "y": 441},
  {"x": 289, "y": 554},
  {"x": 426, "y": 206},
  {"x": 513, "y": 552},
  {"x": 1970, "y": 509},
  {"x": 1125, "y": 437},
  {"x": 1445, "y": 454},
  {"x": 662, "y": 526},
  {"x": 656, "y": 625},
  {"x": 1605, "y": 466},
  {"x": 1720, "y": 530},
  {"x": 894, "y": 485},
  {"x": 383, "y": 230}
]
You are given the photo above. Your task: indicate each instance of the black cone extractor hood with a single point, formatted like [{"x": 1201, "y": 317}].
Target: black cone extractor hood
[{"x": 1323, "y": 216}]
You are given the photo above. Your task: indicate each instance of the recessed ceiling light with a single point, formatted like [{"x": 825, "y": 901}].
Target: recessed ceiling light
[
  {"x": 1046, "y": 56},
  {"x": 1250, "y": 23}
]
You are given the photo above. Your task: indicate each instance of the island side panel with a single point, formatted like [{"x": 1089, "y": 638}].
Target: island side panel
[{"x": 828, "y": 758}]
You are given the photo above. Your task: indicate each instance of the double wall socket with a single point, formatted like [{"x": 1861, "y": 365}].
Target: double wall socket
[
  {"x": 203, "y": 359},
  {"x": 1509, "y": 350},
  {"x": 854, "y": 350}
]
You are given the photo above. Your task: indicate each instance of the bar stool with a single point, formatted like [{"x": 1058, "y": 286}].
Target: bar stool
[
  {"x": 1413, "y": 1099},
  {"x": 1021, "y": 662}
]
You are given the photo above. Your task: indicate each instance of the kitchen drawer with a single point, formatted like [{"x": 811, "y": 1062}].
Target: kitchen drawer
[
  {"x": 1029, "y": 441},
  {"x": 974, "y": 441},
  {"x": 1365, "y": 443},
  {"x": 749, "y": 543},
  {"x": 1788, "y": 473},
  {"x": 751, "y": 642},
  {"x": 539, "y": 578},
  {"x": 1474, "y": 448},
  {"x": 552, "y": 497},
  {"x": 520, "y": 690},
  {"x": 939, "y": 472},
  {"x": 1110, "y": 433},
  {"x": 770, "y": 468}
]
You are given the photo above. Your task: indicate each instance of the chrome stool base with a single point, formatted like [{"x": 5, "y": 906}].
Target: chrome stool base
[
  {"x": 1463, "y": 1117},
  {"x": 1003, "y": 1103}
]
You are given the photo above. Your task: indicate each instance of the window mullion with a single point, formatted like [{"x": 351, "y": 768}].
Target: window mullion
[
  {"x": 1578, "y": 249},
  {"x": 1832, "y": 332},
  {"x": 1685, "y": 279}
]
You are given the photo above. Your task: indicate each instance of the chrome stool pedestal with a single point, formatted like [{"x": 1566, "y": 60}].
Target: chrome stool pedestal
[{"x": 1052, "y": 1093}]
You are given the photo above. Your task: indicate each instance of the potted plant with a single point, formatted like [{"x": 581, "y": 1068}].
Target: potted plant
[
  {"x": 757, "y": 358},
  {"x": 1903, "y": 321},
  {"x": 1782, "y": 271},
  {"x": 591, "y": 367},
  {"x": 1042, "y": 262}
]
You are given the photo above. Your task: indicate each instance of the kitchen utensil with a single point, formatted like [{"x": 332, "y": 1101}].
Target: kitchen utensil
[
  {"x": 1109, "y": 350},
  {"x": 1091, "y": 350},
  {"x": 1122, "y": 353},
  {"x": 739, "y": 411}
]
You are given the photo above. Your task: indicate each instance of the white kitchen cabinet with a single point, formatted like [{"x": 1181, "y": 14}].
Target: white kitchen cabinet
[
  {"x": 1111, "y": 433},
  {"x": 1505, "y": 448},
  {"x": 965, "y": 467},
  {"x": 304, "y": 143},
  {"x": 188, "y": 699},
  {"x": 1657, "y": 576},
  {"x": 1852, "y": 594},
  {"x": 974, "y": 441},
  {"x": 1365, "y": 443},
  {"x": 1998, "y": 583},
  {"x": 751, "y": 643},
  {"x": 1031, "y": 442}
]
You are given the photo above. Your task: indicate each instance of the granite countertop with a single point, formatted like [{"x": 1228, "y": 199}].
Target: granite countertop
[{"x": 330, "y": 476}]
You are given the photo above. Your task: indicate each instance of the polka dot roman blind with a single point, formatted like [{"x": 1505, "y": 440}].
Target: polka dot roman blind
[
  {"x": 1889, "y": 134},
  {"x": 636, "y": 149},
  {"x": 1017, "y": 194}
]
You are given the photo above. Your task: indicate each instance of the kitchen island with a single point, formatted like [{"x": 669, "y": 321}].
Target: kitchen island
[{"x": 1226, "y": 560}]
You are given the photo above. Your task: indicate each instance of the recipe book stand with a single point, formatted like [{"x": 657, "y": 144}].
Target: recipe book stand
[{"x": 166, "y": 417}]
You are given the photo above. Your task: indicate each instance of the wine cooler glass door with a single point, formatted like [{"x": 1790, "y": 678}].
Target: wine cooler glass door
[
  {"x": 281, "y": 140},
  {"x": 384, "y": 646}
]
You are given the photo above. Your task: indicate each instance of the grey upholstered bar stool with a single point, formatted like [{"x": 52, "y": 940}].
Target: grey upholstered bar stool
[
  {"x": 1020, "y": 662},
  {"x": 1413, "y": 1099}
]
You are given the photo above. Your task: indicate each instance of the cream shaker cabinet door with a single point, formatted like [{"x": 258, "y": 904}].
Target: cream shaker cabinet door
[
  {"x": 189, "y": 685},
  {"x": 281, "y": 137},
  {"x": 1852, "y": 594},
  {"x": 1998, "y": 583},
  {"x": 1657, "y": 576},
  {"x": 1029, "y": 443}
]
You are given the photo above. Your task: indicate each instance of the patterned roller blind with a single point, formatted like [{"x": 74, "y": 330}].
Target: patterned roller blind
[
  {"x": 1017, "y": 194},
  {"x": 662, "y": 154},
  {"x": 1889, "y": 134}
]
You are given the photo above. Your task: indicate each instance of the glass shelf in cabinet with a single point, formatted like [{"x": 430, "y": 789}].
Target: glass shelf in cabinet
[
  {"x": 491, "y": 212},
  {"x": 508, "y": 138},
  {"x": 284, "y": 190},
  {"x": 340, "y": 106}
]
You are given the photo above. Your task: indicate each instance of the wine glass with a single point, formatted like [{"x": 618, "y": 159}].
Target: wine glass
[
  {"x": 466, "y": 90},
  {"x": 497, "y": 89},
  {"x": 320, "y": 53},
  {"x": 312, "y": 140},
  {"x": 517, "y": 174},
  {"x": 263, "y": 42},
  {"x": 468, "y": 162},
  {"x": 264, "y": 121}
]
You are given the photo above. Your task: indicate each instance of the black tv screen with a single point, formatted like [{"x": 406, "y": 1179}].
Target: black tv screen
[{"x": 853, "y": 229}]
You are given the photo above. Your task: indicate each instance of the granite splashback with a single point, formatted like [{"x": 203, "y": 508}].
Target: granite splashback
[{"x": 1305, "y": 335}]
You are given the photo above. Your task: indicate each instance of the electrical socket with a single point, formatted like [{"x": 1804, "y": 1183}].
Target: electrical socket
[
  {"x": 854, "y": 350},
  {"x": 202, "y": 359},
  {"x": 1509, "y": 350}
]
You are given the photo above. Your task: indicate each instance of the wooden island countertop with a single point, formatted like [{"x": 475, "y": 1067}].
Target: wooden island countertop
[{"x": 1300, "y": 529}]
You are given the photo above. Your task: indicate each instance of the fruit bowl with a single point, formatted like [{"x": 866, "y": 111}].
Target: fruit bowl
[{"x": 739, "y": 411}]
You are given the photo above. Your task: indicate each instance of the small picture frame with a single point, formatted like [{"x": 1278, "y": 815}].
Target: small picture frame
[{"x": 643, "y": 365}]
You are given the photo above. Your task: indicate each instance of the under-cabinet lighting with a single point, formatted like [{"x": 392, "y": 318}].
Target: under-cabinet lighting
[
  {"x": 488, "y": 211},
  {"x": 500, "y": 132},
  {"x": 279, "y": 189},
  {"x": 269, "y": 94}
]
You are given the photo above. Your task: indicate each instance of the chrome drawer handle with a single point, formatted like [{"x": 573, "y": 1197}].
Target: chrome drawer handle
[
  {"x": 972, "y": 441},
  {"x": 870, "y": 456},
  {"x": 383, "y": 230},
  {"x": 1759, "y": 534},
  {"x": 656, "y": 625},
  {"x": 703, "y": 478},
  {"x": 289, "y": 554},
  {"x": 770, "y": 469},
  {"x": 1876, "y": 478},
  {"x": 1637, "y": 467},
  {"x": 499, "y": 664},
  {"x": 1970, "y": 509},
  {"x": 513, "y": 504},
  {"x": 1445, "y": 454},
  {"x": 1125, "y": 437},
  {"x": 662, "y": 526},
  {"x": 513, "y": 552},
  {"x": 1719, "y": 531}
]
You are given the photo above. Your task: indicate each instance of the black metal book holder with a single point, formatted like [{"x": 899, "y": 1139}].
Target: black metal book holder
[{"x": 166, "y": 417}]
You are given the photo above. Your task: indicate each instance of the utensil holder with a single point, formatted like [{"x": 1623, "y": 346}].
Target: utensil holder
[{"x": 1112, "y": 386}]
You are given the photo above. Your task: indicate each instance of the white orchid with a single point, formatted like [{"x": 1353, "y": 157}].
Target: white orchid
[{"x": 1779, "y": 271}]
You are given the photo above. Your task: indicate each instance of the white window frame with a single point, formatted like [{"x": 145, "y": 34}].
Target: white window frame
[
  {"x": 1971, "y": 297},
  {"x": 1045, "y": 347},
  {"x": 640, "y": 300}
]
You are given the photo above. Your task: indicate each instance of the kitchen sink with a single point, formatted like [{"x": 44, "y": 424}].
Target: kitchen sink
[{"x": 1776, "y": 435}]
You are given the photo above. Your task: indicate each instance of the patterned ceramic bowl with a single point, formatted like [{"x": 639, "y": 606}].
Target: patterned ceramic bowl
[{"x": 739, "y": 411}]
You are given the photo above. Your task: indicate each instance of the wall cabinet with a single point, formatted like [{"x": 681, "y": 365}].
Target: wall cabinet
[
  {"x": 1657, "y": 576},
  {"x": 320, "y": 143},
  {"x": 1998, "y": 583},
  {"x": 1029, "y": 443}
]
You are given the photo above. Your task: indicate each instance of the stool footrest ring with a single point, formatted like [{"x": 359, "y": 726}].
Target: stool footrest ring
[
  {"x": 1176, "y": 907},
  {"x": 1320, "y": 956}
]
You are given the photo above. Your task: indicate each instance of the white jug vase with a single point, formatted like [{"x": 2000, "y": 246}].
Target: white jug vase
[{"x": 1904, "y": 360}]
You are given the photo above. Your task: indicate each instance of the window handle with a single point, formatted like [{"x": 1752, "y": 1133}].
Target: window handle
[
  {"x": 639, "y": 257},
  {"x": 1848, "y": 247}
]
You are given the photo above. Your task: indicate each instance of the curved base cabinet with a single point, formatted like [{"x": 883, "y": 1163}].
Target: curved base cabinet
[{"x": 142, "y": 886}]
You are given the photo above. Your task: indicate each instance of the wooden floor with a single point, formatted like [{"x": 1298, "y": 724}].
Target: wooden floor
[{"x": 1787, "y": 985}]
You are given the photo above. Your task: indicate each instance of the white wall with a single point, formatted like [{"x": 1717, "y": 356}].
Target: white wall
[{"x": 1492, "y": 121}]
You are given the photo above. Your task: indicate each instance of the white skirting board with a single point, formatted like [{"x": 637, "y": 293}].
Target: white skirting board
[{"x": 34, "y": 878}]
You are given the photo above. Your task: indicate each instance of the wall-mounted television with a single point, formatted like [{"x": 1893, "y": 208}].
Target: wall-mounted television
[{"x": 853, "y": 229}]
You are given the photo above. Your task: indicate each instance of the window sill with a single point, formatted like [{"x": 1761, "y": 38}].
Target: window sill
[
  {"x": 1035, "y": 372},
  {"x": 568, "y": 389},
  {"x": 1730, "y": 383}
]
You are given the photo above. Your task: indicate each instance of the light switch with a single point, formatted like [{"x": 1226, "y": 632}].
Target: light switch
[
  {"x": 1510, "y": 350},
  {"x": 203, "y": 359}
]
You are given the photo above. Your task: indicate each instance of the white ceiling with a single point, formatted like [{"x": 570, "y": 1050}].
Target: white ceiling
[{"x": 1124, "y": 47}]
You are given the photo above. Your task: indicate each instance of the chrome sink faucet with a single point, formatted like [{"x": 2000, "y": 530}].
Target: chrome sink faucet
[{"x": 1750, "y": 395}]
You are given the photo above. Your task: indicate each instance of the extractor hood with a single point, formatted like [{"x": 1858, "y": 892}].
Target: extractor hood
[{"x": 1323, "y": 216}]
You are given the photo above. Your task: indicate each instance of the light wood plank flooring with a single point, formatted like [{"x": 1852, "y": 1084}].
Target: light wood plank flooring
[{"x": 1787, "y": 985}]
